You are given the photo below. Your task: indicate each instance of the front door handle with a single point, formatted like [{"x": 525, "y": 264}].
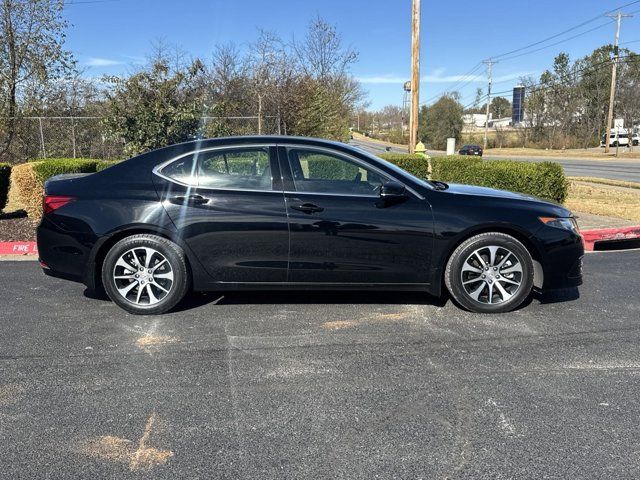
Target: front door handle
[
  {"x": 189, "y": 200},
  {"x": 308, "y": 208}
]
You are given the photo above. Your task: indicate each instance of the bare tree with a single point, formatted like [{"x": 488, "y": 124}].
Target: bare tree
[
  {"x": 31, "y": 47},
  {"x": 321, "y": 53}
]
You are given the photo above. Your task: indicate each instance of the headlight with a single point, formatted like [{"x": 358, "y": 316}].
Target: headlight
[{"x": 561, "y": 222}]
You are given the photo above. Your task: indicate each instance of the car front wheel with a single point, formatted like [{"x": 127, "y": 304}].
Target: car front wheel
[
  {"x": 490, "y": 273},
  {"x": 145, "y": 274}
]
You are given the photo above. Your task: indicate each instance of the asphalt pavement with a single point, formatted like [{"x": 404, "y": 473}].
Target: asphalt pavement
[
  {"x": 321, "y": 385},
  {"x": 613, "y": 169}
]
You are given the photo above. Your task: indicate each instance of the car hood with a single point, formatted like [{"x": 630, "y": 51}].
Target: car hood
[{"x": 459, "y": 189}]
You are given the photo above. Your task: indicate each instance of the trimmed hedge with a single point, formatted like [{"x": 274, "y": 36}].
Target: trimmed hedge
[
  {"x": 414, "y": 164},
  {"x": 441, "y": 165},
  {"x": 5, "y": 173},
  {"x": 545, "y": 180},
  {"x": 423, "y": 167},
  {"x": 327, "y": 168},
  {"x": 102, "y": 164},
  {"x": 27, "y": 180},
  {"x": 50, "y": 167}
]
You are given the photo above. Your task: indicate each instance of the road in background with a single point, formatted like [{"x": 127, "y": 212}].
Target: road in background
[
  {"x": 613, "y": 169},
  {"x": 320, "y": 385}
]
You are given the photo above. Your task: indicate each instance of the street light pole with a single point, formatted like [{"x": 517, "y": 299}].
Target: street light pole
[{"x": 415, "y": 75}]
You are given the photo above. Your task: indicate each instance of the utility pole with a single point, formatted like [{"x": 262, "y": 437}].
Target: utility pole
[
  {"x": 489, "y": 63},
  {"x": 260, "y": 114},
  {"x": 415, "y": 75},
  {"x": 618, "y": 16}
]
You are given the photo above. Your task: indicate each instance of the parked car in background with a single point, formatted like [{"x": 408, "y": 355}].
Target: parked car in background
[
  {"x": 620, "y": 139},
  {"x": 471, "y": 150},
  {"x": 260, "y": 213}
]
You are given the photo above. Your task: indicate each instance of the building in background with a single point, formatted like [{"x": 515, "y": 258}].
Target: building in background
[
  {"x": 517, "y": 106},
  {"x": 475, "y": 120}
]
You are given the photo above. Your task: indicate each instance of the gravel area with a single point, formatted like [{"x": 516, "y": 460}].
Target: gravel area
[{"x": 16, "y": 227}]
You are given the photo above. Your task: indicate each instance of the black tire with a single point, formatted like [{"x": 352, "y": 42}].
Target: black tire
[
  {"x": 177, "y": 264},
  {"x": 453, "y": 275}
]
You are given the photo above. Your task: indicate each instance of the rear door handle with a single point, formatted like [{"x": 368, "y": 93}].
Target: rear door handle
[
  {"x": 307, "y": 208},
  {"x": 189, "y": 200}
]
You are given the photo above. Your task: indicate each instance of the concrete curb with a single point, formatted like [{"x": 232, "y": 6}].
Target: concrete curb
[{"x": 591, "y": 237}]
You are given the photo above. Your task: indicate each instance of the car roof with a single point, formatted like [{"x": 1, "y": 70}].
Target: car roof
[{"x": 252, "y": 139}]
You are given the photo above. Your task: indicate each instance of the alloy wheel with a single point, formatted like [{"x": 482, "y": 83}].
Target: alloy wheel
[
  {"x": 491, "y": 275},
  {"x": 143, "y": 276}
]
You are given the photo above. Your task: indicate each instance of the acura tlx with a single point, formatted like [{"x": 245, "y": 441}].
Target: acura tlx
[{"x": 256, "y": 213}]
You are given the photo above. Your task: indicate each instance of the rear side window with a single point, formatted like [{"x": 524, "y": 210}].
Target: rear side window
[{"x": 241, "y": 168}]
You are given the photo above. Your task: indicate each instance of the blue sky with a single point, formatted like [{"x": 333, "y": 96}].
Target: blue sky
[{"x": 110, "y": 37}]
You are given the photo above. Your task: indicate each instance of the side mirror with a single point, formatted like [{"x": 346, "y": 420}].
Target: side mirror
[{"x": 391, "y": 193}]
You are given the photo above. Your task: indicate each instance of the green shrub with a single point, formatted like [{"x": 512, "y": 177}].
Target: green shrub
[
  {"x": 451, "y": 162},
  {"x": 545, "y": 180},
  {"x": 419, "y": 166},
  {"x": 414, "y": 164},
  {"x": 27, "y": 180},
  {"x": 102, "y": 164},
  {"x": 5, "y": 173},
  {"x": 328, "y": 168},
  {"x": 51, "y": 167}
]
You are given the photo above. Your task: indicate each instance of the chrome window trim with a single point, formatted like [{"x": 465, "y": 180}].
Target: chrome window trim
[
  {"x": 355, "y": 160},
  {"x": 295, "y": 193},
  {"x": 157, "y": 170}
]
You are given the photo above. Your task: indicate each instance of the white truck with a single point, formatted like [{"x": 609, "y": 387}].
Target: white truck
[{"x": 621, "y": 138}]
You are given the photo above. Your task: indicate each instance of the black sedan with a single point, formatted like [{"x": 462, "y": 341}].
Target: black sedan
[
  {"x": 297, "y": 213},
  {"x": 471, "y": 150}
]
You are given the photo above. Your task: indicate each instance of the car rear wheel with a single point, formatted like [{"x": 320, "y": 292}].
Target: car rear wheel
[
  {"x": 490, "y": 273},
  {"x": 145, "y": 274}
]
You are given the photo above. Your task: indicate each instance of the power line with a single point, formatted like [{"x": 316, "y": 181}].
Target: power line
[
  {"x": 565, "y": 31},
  {"x": 542, "y": 86},
  {"x": 510, "y": 54},
  {"x": 469, "y": 75},
  {"x": 557, "y": 43}
]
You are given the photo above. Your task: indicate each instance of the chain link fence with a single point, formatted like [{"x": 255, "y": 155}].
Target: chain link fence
[{"x": 85, "y": 137}]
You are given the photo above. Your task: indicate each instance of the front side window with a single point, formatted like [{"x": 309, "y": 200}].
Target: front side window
[
  {"x": 319, "y": 172},
  {"x": 238, "y": 168}
]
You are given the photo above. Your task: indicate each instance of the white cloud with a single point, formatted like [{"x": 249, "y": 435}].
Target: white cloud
[
  {"x": 438, "y": 77},
  {"x": 102, "y": 62}
]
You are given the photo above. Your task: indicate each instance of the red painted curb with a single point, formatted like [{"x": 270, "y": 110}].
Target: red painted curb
[
  {"x": 18, "y": 248},
  {"x": 590, "y": 238},
  {"x": 608, "y": 234}
]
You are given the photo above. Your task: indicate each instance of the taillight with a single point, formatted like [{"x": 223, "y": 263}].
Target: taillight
[{"x": 54, "y": 202}]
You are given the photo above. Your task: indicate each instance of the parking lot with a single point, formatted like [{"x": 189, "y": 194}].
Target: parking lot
[{"x": 322, "y": 385}]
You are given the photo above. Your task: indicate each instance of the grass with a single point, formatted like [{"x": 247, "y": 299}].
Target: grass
[
  {"x": 606, "y": 181},
  {"x": 573, "y": 152},
  {"x": 603, "y": 199}
]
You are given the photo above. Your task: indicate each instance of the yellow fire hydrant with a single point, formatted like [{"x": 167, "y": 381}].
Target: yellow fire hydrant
[{"x": 422, "y": 151}]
